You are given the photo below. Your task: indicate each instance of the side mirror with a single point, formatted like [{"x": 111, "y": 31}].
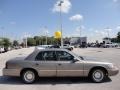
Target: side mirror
[
  {"x": 75, "y": 60},
  {"x": 81, "y": 58}
]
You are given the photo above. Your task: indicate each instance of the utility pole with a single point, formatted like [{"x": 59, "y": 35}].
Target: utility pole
[
  {"x": 108, "y": 33},
  {"x": 26, "y": 35},
  {"x": 60, "y": 5},
  {"x": 46, "y": 34}
]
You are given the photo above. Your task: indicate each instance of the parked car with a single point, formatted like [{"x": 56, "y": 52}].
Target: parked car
[
  {"x": 17, "y": 47},
  {"x": 42, "y": 47},
  {"x": 57, "y": 63},
  {"x": 67, "y": 46},
  {"x": 108, "y": 45},
  {"x": 76, "y": 46},
  {"x": 55, "y": 46},
  {"x": 2, "y": 49}
]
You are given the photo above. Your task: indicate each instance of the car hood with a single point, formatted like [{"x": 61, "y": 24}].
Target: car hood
[{"x": 95, "y": 60}]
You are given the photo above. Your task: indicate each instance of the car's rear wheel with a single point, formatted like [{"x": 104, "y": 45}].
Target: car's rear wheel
[
  {"x": 97, "y": 75},
  {"x": 28, "y": 76}
]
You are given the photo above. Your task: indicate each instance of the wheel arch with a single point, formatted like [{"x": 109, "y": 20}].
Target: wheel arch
[{"x": 98, "y": 67}]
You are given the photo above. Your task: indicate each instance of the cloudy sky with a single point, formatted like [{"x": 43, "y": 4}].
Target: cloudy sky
[{"x": 91, "y": 18}]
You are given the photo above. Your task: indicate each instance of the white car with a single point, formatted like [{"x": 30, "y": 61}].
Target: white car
[
  {"x": 67, "y": 46},
  {"x": 42, "y": 47},
  {"x": 107, "y": 45},
  {"x": 2, "y": 49}
]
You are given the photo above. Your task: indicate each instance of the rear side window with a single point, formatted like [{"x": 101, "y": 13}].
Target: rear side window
[
  {"x": 39, "y": 56},
  {"x": 46, "y": 56}
]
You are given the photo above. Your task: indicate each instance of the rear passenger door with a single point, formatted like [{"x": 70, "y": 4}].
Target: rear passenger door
[{"x": 46, "y": 63}]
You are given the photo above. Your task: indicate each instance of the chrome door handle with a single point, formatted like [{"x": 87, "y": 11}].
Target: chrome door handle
[
  {"x": 59, "y": 64},
  {"x": 36, "y": 64}
]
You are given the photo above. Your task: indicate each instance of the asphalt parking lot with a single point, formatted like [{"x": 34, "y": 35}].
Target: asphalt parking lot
[{"x": 105, "y": 54}]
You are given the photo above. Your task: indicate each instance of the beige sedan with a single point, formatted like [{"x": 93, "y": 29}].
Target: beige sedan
[{"x": 57, "y": 63}]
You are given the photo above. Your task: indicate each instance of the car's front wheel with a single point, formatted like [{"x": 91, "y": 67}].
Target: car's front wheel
[
  {"x": 28, "y": 76},
  {"x": 97, "y": 75}
]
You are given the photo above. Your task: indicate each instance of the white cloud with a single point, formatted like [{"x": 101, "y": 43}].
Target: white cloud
[
  {"x": 46, "y": 32},
  {"x": 96, "y": 31},
  {"x": 80, "y": 28},
  {"x": 75, "y": 35},
  {"x": 91, "y": 29},
  {"x": 103, "y": 33},
  {"x": 115, "y": 1},
  {"x": 12, "y": 22},
  {"x": 76, "y": 17},
  {"x": 26, "y": 34},
  {"x": 108, "y": 29},
  {"x": 65, "y": 6},
  {"x": 118, "y": 28}
]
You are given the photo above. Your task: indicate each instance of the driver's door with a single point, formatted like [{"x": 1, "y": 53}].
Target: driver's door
[{"x": 66, "y": 66}]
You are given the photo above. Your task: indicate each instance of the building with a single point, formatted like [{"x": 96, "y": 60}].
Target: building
[
  {"x": 106, "y": 40},
  {"x": 78, "y": 40}
]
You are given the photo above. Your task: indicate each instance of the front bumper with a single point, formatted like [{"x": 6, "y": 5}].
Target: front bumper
[
  {"x": 113, "y": 71},
  {"x": 11, "y": 72}
]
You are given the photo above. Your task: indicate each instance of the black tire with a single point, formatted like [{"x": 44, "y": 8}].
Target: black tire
[
  {"x": 97, "y": 75},
  {"x": 28, "y": 76}
]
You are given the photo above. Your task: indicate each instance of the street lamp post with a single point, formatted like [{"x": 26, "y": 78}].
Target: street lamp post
[
  {"x": 46, "y": 34},
  {"x": 79, "y": 29},
  {"x": 60, "y": 4},
  {"x": 80, "y": 36},
  {"x": 26, "y": 40},
  {"x": 26, "y": 36},
  {"x": 108, "y": 33}
]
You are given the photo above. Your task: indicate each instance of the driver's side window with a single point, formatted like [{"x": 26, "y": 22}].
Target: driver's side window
[{"x": 64, "y": 56}]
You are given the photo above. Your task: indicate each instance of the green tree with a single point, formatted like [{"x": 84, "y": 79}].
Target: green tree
[
  {"x": 114, "y": 40},
  {"x": 43, "y": 39},
  {"x": 57, "y": 41},
  {"x": 31, "y": 42},
  {"x": 118, "y": 37},
  {"x": 6, "y": 42},
  {"x": 1, "y": 42},
  {"x": 38, "y": 40},
  {"x": 15, "y": 43}
]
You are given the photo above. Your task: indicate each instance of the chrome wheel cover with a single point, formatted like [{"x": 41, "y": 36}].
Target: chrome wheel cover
[
  {"x": 98, "y": 75},
  {"x": 29, "y": 76}
]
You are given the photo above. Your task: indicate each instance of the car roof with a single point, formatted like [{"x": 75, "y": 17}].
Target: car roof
[
  {"x": 35, "y": 52},
  {"x": 51, "y": 49}
]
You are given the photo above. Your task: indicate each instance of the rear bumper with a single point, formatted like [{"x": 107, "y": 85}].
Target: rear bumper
[
  {"x": 11, "y": 72},
  {"x": 112, "y": 72}
]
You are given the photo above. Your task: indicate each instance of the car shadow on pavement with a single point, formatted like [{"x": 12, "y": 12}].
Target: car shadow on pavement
[{"x": 52, "y": 81}]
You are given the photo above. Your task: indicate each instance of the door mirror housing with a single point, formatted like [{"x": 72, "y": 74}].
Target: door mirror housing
[
  {"x": 74, "y": 60},
  {"x": 81, "y": 58}
]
